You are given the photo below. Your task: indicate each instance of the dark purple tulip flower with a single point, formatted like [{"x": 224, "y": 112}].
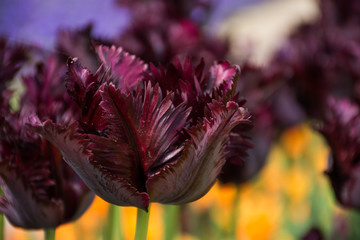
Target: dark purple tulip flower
[
  {"x": 342, "y": 132},
  {"x": 146, "y": 136},
  {"x": 163, "y": 40},
  {"x": 39, "y": 189},
  {"x": 159, "y": 32},
  {"x": 321, "y": 59},
  {"x": 162, "y": 30}
]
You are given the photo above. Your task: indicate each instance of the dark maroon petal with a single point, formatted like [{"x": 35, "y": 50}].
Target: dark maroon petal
[
  {"x": 221, "y": 74},
  {"x": 126, "y": 69},
  {"x": 83, "y": 87},
  {"x": 23, "y": 210},
  {"x": 73, "y": 148},
  {"x": 237, "y": 147},
  {"x": 195, "y": 172},
  {"x": 192, "y": 87},
  {"x": 178, "y": 78},
  {"x": 149, "y": 123},
  {"x": 35, "y": 192},
  {"x": 78, "y": 197},
  {"x": 79, "y": 80},
  {"x": 114, "y": 156}
]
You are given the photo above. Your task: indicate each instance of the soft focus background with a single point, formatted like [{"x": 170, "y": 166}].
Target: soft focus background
[{"x": 290, "y": 196}]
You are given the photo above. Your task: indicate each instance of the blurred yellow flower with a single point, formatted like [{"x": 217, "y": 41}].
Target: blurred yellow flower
[
  {"x": 272, "y": 176},
  {"x": 297, "y": 184},
  {"x": 13, "y": 233},
  {"x": 86, "y": 227},
  {"x": 295, "y": 140},
  {"x": 259, "y": 215},
  {"x": 223, "y": 207},
  {"x": 207, "y": 201},
  {"x": 299, "y": 212}
]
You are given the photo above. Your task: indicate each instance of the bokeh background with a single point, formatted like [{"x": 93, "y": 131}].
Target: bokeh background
[{"x": 290, "y": 196}]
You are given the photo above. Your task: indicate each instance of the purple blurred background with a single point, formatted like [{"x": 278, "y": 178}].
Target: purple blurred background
[{"x": 37, "y": 21}]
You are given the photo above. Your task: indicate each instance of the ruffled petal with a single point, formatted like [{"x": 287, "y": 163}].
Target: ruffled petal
[
  {"x": 126, "y": 69},
  {"x": 149, "y": 123},
  {"x": 22, "y": 209},
  {"x": 195, "y": 172},
  {"x": 74, "y": 150}
]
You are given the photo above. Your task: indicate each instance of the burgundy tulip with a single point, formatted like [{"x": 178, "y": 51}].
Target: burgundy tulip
[
  {"x": 342, "y": 132},
  {"x": 145, "y": 136},
  {"x": 39, "y": 189}
]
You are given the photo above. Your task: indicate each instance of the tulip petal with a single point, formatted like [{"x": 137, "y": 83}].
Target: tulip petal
[
  {"x": 23, "y": 210},
  {"x": 148, "y": 122},
  {"x": 83, "y": 87},
  {"x": 178, "y": 78},
  {"x": 195, "y": 172},
  {"x": 193, "y": 87},
  {"x": 237, "y": 147},
  {"x": 125, "y": 68},
  {"x": 222, "y": 74},
  {"x": 74, "y": 150}
]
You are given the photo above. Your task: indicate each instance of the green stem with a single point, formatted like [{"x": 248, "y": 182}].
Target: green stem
[
  {"x": 234, "y": 215},
  {"x": 142, "y": 222},
  {"x": 113, "y": 228},
  {"x": 49, "y": 233},
  {"x": 171, "y": 221},
  {"x": 2, "y": 230}
]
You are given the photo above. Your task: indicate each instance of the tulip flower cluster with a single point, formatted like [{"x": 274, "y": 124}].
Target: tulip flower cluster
[{"x": 157, "y": 115}]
